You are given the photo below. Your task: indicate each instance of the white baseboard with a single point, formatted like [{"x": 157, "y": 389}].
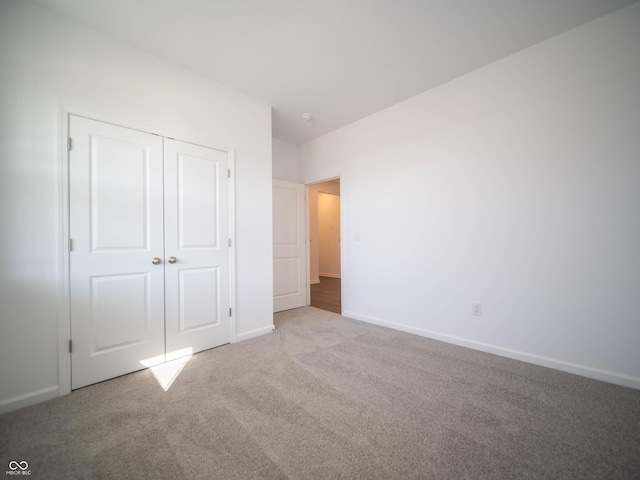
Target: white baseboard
[
  {"x": 583, "y": 370},
  {"x": 330, "y": 275},
  {"x": 314, "y": 281},
  {"x": 255, "y": 333},
  {"x": 28, "y": 399}
]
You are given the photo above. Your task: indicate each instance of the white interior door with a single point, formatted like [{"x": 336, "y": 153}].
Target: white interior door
[
  {"x": 116, "y": 229},
  {"x": 197, "y": 242},
  {"x": 289, "y": 246},
  {"x": 149, "y": 264}
]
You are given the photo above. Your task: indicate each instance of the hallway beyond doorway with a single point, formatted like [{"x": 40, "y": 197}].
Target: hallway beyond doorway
[{"x": 326, "y": 295}]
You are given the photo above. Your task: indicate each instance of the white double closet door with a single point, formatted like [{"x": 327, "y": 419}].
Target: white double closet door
[{"x": 149, "y": 260}]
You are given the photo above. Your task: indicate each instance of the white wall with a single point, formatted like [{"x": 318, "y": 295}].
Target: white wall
[
  {"x": 516, "y": 186},
  {"x": 329, "y": 232},
  {"x": 46, "y": 62},
  {"x": 285, "y": 161}
]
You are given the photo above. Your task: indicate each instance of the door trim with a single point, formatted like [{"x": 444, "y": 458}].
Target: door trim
[
  {"x": 233, "y": 332},
  {"x": 307, "y": 250},
  {"x": 308, "y": 184},
  {"x": 64, "y": 308}
]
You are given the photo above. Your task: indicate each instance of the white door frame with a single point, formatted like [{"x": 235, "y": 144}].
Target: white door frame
[
  {"x": 342, "y": 230},
  {"x": 64, "y": 310}
]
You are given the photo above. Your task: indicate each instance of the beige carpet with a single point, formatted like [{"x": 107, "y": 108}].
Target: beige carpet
[{"x": 328, "y": 398}]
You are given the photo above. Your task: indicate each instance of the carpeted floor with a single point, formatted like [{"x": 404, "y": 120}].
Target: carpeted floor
[{"x": 329, "y": 398}]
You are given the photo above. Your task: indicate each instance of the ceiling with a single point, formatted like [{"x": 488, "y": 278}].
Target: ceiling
[{"x": 339, "y": 60}]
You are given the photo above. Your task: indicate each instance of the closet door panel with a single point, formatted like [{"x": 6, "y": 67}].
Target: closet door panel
[
  {"x": 196, "y": 236},
  {"x": 116, "y": 226}
]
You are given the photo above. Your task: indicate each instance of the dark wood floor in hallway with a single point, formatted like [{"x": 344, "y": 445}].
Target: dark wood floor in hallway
[{"x": 326, "y": 294}]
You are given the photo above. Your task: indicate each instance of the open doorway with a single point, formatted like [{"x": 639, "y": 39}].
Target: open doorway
[{"x": 325, "y": 275}]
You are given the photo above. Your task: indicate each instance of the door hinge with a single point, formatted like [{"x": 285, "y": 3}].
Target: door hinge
[
  {"x": 69, "y": 143},
  {"x": 229, "y": 242},
  {"x": 70, "y": 346},
  {"x": 70, "y": 244},
  {"x": 229, "y": 311},
  {"x": 228, "y": 173}
]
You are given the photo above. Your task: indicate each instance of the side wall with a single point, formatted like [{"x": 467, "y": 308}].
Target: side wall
[
  {"x": 47, "y": 62},
  {"x": 285, "y": 161},
  {"x": 329, "y": 232},
  {"x": 516, "y": 186}
]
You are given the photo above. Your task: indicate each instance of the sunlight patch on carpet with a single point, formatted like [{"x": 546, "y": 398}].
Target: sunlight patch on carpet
[{"x": 167, "y": 372}]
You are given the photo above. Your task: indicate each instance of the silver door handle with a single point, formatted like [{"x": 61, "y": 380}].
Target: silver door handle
[
  {"x": 156, "y": 260},
  {"x": 173, "y": 259}
]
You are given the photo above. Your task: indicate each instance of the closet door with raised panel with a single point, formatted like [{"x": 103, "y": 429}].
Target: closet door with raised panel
[
  {"x": 116, "y": 254},
  {"x": 197, "y": 248},
  {"x": 149, "y": 250}
]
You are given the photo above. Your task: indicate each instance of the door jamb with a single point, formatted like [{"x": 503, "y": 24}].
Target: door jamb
[
  {"x": 307, "y": 227},
  {"x": 342, "y": 253},
  {"x": 64, "y": 310}
]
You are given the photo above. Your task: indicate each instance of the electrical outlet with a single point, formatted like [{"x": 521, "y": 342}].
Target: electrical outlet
[{"x": 476, "y": 309}]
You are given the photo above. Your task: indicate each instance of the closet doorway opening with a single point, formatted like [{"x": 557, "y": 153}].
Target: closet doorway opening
[{"x": 325, "y": 272}]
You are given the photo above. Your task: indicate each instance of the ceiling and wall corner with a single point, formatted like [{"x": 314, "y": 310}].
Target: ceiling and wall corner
[{"x": 337, "y": 60}]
